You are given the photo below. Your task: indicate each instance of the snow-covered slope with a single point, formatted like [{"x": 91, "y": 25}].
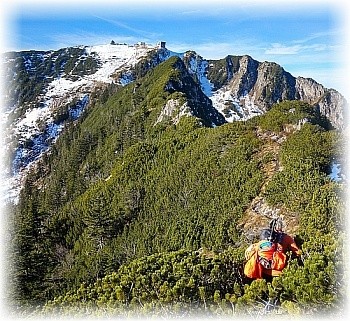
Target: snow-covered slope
[
  {"x": 67, "y": 78},
  {"x": 112, "y": 59},
  {"x": 36, "y": 129},
  {"x": 234, "y": 108}
]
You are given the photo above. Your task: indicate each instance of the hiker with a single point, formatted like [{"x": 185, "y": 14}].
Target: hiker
[
  {"x": 267, "y": 258},
  {"x": 287, "y": 242}
]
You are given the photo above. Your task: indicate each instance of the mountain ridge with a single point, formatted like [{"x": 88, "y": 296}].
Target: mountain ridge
[{"x": 51, "y": 88}]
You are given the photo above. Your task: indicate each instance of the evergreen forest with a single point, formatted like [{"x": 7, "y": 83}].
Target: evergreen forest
[{"x": 129, "y": 216}]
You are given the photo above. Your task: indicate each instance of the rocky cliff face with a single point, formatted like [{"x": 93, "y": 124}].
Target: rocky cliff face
[
  {"x": 329, "y": 102},
  {"x": 266, "y": 83},
  {"x": 243, "y": 81}
]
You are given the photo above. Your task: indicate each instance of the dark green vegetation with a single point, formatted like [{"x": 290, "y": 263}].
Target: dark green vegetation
[
  {"x": 221, "y": 71},
  {"x": 137, "y": 218}
]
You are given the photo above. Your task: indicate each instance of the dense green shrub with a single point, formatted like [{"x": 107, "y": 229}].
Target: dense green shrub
[{"x": 114, "y": 216}]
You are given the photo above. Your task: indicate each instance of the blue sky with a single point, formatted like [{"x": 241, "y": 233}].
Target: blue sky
[{"x": 306, "y": 38}]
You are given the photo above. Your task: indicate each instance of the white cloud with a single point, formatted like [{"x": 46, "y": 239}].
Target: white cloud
[
  {"x": 279, "y": 49},
  {"x": 63, "y": 40},
  {"x": 218, "y": 50},
  {"x": 120, "y": 24},
  {"x": 328, "y": 33}
]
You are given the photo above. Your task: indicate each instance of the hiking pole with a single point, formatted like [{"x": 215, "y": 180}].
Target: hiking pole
[{"x": 272, "y": 227}]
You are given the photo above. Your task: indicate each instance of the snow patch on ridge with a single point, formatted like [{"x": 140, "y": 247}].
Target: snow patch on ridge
[
  {"x": 234, "y": 108},
  {"x": 36, "y": 132},
  {"x": 199, "y": 67},
  {"x": 114, "y": 57},
  {"x": 336, "y": 173},
  {"x": 172, "y": 110}
]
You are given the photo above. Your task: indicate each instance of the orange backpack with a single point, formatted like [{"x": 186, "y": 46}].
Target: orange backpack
[
  {"x": 252, "y": 269},
  {"x": 266, "y": 255}
]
